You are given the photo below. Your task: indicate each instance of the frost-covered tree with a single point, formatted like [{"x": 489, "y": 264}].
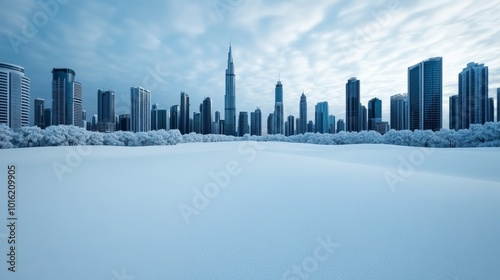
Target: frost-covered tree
[
  {"x": 95, "y": 138},
  {"x": 28, "y": 136},
  {"x": 5, "y": 137}
]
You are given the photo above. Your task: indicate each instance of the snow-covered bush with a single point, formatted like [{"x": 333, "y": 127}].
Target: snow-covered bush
[
  {"x": 487, "y": 135},
  {"x": 28, "y": 136},
  {"x": 95, "y": 138},
  {"x": 5, "y": 137}
]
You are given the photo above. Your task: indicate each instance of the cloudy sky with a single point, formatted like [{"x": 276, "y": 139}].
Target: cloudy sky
[{"x": 315, "y": 46}]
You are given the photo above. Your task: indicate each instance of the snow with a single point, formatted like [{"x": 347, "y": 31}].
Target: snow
[{"x": 276, "y": 211}]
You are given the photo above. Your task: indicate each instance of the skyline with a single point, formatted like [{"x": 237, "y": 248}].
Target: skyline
[{"x": 305, "y": 45}]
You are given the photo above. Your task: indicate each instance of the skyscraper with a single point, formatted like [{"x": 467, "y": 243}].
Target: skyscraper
[
  {"x": 363, "y": 117},
  {"x": 243, "y": 124},
  {"x": 159, "y": 118},
  {"x": 290, "y": 126},
  {"x": 14, "y": 96},
  {"x": 196, "y": 123},
  {"x": 47, "y": 117},
  {"x": 498, "y": 104},
  {"x": 302, "y": 127},
  {"x": 270, "y": 124},
  {"x": 124, "y": 122},
  {"x": 256, "y": 122},
  {"x": 453, "y": 115},
  {"x": 175, "y": 115},
  {"x": 491, "y": 110},
  {"x": 66, "y": 98},
  {"x": 353, "y": 105},
  {"x": 230, "y": 98},
  {"x": 279, "y": 115},
  {"x": 321, "y": 117},
  {"x": 140, "y": 113},
  {"x": 374, "y": 112},
  {"x": 399, "y": 112},
  {"x": 106, "y": 111},
  {"x": 331, "y": 124},
  {"x": 206, "y": 127},
  {"x": 473, "y": 95},
  {"x": 184, "y": 114},
  {"x": 340, "y": 125},
  {"x": 39, "y": 112},
  {"x": 425, "y": 94}
]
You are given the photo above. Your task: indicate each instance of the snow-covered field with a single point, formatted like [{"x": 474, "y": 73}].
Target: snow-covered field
[{"x": 248, "y": 210}]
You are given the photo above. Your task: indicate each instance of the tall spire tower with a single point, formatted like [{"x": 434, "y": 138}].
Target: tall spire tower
[{"x": 230, "y": 97}]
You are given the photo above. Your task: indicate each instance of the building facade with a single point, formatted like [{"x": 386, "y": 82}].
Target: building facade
[
  {"x": 453, "y": 114},
  {"x": 243, "y": 127},
  {"x": 140, "y": 113},
  {"x": 321, "y": 117},
  {"x": 230, "y": 97},
  {"x": 353, "y": 105},
  {"x": 399, "y": 112},
  {"x": 14, "y": 96},
  {"x": 302, "y": 126},
  {"x": 374, "y": 113},
  {"x": 279, "y": 113},
  {"x": 106, "y": 111},
  {"x": 473, "y": 95},
  {"x": 425, "y": 95},
  {"x": 39, "y": 113},
  {"x": 66, "y": 98}
]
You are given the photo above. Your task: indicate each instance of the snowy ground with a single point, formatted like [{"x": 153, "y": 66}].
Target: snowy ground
[{"x": 246, "y": 210}]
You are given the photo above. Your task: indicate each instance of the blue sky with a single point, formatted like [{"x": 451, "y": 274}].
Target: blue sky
[{"x": 174, "y": 46}]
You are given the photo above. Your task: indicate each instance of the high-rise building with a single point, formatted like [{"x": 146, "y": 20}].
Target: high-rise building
[
  {"x": 454, "y": 113},
  {"x": 498, "y": 104},
  {"x": 279, "y": 115},
  {"x": 196, "y": 123},
  {"x": 160, "y": 118},
  {"x": 230, "y": 98},
  {"x": 84, "y": 118},
  {"x": 363, "y": 117},
  {"x": 340, "y": 125},
  {"x": 184, "y": 114},
  {"x": 491, "y": 110},
  {"x": 331, "y": 124},
  {"x": 425, "y": 94},
  {"x": 140, "y": 113},
  {"x": 66, "y": 98},
  {"x": 106, "y": 111},
  {"x": 39, "y": 112},
  {"x": 47, "y": 117},
  {"x": 382, "y": 127},
  {"x": 270, "y": 124},
  {"x": 14, "y": 96},
  {"x": 175, "y": 116},
  {"x": 353, "y": 105},
  {"x": 243, "y": 124},
  {"x": 310, "y": 127},
  {"x": 256, "y": 122},
  {"x": 94, "y": 122},
  {"x": 124, "y": 121},
  {"x": 302, "y": 127},
  {"x": 216, "y": 128},
  {"x": 473, "y": 95},
  {"x": 374, "y": 112},
  {"x": 206, "y": 127},
  {"x": 399, "y": 112},
  {"x": 321, "y": 117},
  {"x": 290, "y": 126}
]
